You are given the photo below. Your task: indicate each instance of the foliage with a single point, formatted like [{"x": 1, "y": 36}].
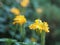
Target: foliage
[{"x": 46, "y": 10}]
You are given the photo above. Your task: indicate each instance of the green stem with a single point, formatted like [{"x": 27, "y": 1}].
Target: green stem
[
  {"x": 43, "y": 38},
  {"x": 22, "y": 31}
]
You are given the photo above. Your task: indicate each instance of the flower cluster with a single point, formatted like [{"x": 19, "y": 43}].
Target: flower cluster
[
  {"x": 24, "y": 3},
  {"x": 15, "y": 11},
  {"x": 38, "y": 24},
  {"x": 19, "y": 19}
]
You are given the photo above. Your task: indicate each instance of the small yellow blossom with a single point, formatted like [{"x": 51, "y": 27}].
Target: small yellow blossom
[
  {"x": 38, "y": 24},
  {"x": 24, "y": 3},
  {"x": 38, "y": 21},
  {"x": 45, "y": 26},
  {"x": 39, "y": 10},
  {"x": 32, "y": 26},
  {"x": 33, "y": 39},
  {"x": 15, "y": 11},
  {"x": 19, "y": 19}
]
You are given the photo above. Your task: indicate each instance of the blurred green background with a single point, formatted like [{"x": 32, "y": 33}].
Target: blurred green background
[{"x": 50, "y": 13}]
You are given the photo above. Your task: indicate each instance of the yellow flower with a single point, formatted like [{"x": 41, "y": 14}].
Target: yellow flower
[
  {"x": 19, "y": 19},
  {"x": 15, "y": 11},
  {"x": 39, "y": 10},
  {"x": 32, "y": 26},
  {"x": 33, "y": 39},
  {"x": 38, "y": 21},
  {"x": 24, "y": 3},
  {"x": 38, "y": 24},
  {"x": 45, "y": 27}
]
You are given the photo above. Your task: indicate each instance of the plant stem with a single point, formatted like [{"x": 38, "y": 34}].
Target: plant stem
[
  {"x": 43, "y": 38},
  {"x": 22, "y": 31}
]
